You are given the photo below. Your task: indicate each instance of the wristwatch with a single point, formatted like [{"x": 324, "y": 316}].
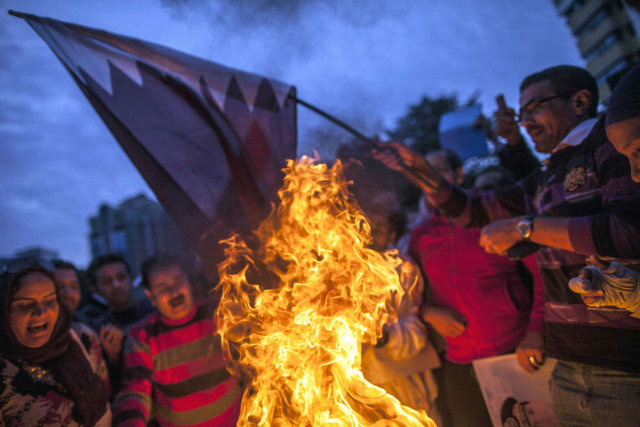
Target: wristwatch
[{"x": 525, "y": 227}]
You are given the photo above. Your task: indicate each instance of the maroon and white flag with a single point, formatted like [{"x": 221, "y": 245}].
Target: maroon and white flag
[{"x": 209, "y": 140}]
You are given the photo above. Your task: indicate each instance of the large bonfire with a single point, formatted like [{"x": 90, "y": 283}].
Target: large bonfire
[{"x": 299, "y": 302}]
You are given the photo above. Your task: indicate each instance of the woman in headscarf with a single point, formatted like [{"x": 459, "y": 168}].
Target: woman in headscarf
[{"x": 47, "y": 376}]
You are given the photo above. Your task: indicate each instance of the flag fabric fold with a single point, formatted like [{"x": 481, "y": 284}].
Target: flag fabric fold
[{"x": 209, "y": 140}]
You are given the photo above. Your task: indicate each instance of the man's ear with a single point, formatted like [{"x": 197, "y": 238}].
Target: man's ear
[
  {"x": 581, "y": 101},
  {"x": 149, "y": 297}
]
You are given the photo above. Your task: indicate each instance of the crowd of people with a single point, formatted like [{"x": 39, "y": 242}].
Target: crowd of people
[
  {"x": 145, "y": 355},
  {"x": 582, "y": 203},
  {"x": 535, "y": 259}
]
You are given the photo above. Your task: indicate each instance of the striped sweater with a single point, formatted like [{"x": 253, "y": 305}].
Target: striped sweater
[
  {"x": 591, "y": 184},
  {"x": 175, "y": 374}
]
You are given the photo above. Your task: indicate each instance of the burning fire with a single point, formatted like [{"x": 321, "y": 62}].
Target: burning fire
[{"x": 299, "y": 302}]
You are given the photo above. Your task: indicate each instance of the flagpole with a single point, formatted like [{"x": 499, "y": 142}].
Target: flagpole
[
  {"x": 333, "y": 119},
  {"x": 410, "y": 173}
]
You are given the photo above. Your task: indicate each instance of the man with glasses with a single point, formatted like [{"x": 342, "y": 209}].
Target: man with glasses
[{"x": 581, "y": 202}]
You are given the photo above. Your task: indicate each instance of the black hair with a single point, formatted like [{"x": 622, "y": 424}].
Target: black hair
[
  {"x": 157, "y": 261},
  {"x": 9, "y": 282},
  {"x": 452, "y": 158},
  {"x": 396, "y": 216},
  {"x": 506, "y": 177},
  {"x": 98, "y": 262},
  {"x": 565, "y": 81},
  {"x": 63, "y": 264}
]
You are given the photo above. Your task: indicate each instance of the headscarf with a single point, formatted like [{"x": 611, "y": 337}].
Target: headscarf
[
  {"x": 624, "y": 102},
  {"x": 61, "y": 353},
  {"x": 11, "y": 348}
]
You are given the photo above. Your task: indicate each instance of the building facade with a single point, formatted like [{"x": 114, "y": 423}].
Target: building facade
[
  {"x": 136, "y": 229},
  {"x": 607, "y": 37}
]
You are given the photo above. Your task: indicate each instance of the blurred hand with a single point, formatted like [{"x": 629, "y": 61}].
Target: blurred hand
[
  {"x": 111, "y": 339},
  {"x": 507, "y": 126},
  {"x": 499, "y": 236},
  {"x": 398, "y": 157},
  {"x": 530, "y": 351},
  {"x": 446, "y": 321},
  {"x": 603, "y": 284}
]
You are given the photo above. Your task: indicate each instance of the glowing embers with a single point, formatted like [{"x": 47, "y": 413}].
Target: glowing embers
[{"x": 298, "y": 304}]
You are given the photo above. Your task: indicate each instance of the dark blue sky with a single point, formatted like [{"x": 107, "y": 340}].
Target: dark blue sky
[{"x": 364, "y": 61}]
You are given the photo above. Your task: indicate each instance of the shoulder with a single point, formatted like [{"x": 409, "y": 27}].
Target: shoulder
[
  {"x": 90, "y": 341},
  {"x": 83, "y": 330},
  {"x": 8, "y": 371},
  {"x": 93, "y": 315},
  {"x": 87, "y": 336},
  {"x": 145, "y": 327}
]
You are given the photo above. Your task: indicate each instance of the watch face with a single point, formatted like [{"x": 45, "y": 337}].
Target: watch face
[{"x": 524, "y": 228}]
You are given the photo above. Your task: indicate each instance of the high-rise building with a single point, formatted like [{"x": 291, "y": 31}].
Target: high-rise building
[
  {"x": 136, "y": 229},
  {"x": 607, "y": 37}
]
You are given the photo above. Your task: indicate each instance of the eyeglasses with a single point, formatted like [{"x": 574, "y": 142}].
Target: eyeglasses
[
  {"x": 17, "y": 264},
  {"x": 534, "y": 106}
]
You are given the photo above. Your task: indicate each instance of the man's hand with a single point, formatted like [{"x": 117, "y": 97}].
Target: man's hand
[
  {"x": 499, "y": 236},
  {"x": 398, "y": 157},
  {"x": 111, "y": 341},
  {"x": 530, "y": 351},
  {"x": 507, "y": 126},
  {"x": 446, "y": 321},
  {"x": 602, "y": 284}
]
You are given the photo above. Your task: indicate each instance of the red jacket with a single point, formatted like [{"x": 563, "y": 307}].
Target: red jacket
[{"x": 486, "y": 289}]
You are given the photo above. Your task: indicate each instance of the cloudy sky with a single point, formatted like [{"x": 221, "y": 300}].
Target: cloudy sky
[{"x": 363, "y": 61}]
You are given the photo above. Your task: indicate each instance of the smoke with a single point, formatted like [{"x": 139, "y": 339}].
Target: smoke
[{"x": 329, "y": 50}]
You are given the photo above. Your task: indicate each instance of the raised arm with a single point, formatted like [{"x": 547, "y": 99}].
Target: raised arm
[{"x": 397, "y": 156}]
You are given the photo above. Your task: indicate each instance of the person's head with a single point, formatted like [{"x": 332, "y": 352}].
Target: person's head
[
  {"x": 68, "y": 284},
  {"x": 491, "y": 178},
  {"x": 387, "y": 225},
  {"x": 448, "y": 164},
  {"x": 623, "y": 119},
  {"x": 111, "y": 275},
  {"x": 555, "y": 100},
  {"x": 167, "y": 286},
  {"x": 30, "y": 303}
]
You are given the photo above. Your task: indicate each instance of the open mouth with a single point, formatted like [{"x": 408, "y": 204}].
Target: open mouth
[
  {"x": 534, "y": 132},
  {"x": 39, "y": 329},
  {"x": 176, "y": 301}
]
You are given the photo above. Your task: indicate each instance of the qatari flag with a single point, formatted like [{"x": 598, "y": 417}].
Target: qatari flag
[{"x": 209, "y": 140}]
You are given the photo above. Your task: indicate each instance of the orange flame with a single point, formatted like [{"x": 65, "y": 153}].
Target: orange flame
[{"x": 296, "y": 309}]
